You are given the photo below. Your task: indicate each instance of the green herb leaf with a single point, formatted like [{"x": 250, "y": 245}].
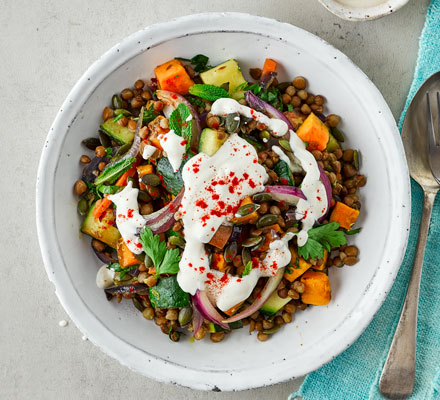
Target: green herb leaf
[
  {"x": 104, "y": 189},
  {"x": 149, "y": 115},
  {"x": 112, "y": 173},
  {"x": 109, "y": 151},
  {"x": 168, "y": 294},
  {"x": 289, "y": 107},
  {"x": 199, "y": 61},
  {"x": 320, "y": 238},
  {"x": 255, "y": 88},
  {"x": 118, "y": 117},
  {"x": 273, "y": 97},
  {"x": 166, "y": 261},
  {"x": 180, "y": 122},
  {"x": 282, "y": 169},
  {"x": 122, "y": 271},
  {"x": 173, "y": 181},
  {"x": 195, "y": 101},
  {"x": 208, "y": 92},
  {"x": 243, "y": 86},
  {"x": 353, "y": 231},
  {"x": 247, "y": 269}
]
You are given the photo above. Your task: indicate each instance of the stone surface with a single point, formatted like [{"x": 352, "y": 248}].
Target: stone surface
[{"x": 46, "y": 46}]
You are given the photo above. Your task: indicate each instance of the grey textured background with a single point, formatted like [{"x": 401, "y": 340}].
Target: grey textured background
[{"x": 45, "y": 47}]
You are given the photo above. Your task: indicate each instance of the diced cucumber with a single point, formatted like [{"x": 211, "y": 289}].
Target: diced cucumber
[
  {"x": 332, "y": 144},
  {"x": 210, "y": 141},
  {"x": 227, "y": 72},
  {"x": 103, "y": 228},
  {"x": 216, "y": 328},
  {"x": 121, "y": 134},
  {"x": 274, "y": 303}
]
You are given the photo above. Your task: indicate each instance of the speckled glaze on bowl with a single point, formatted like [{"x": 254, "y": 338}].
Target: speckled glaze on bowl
[
  {"x": 350, "y": 13},
  {"x": 239, "y": 362}
]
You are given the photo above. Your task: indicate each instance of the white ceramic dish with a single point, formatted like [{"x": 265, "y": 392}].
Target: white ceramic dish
[
  {"x": 239, "y": 362},
  {"x": 362, "y": 10}
]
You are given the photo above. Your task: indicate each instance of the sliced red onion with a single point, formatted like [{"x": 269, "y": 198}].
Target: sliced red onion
[
  {"x": 289, "y": 194},
  {"x": 105, "y": 257},
  {"x": 163, "y": 219},
  {"x": 328, "y": 191},
  {"x": 208, "y": 311},
  {"x": 268, "y": 289},
  {"x": 267, "y": 79},
  {"x": 256, "y": 103},
  {"x": 197, "y": 320}
]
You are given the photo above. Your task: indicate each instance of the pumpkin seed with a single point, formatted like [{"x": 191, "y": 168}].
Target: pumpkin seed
[
  {"x": 144, "y": 196},
  {"x": 123, "y": 149},
  {"x": 231, "y": 251},
  {"x": 148, "y": 261},
  {"x": 285, "y": 144},
  {"x": 232, "y": 122},
  {"x": 338, "y": 134},
  {"x": 225, "y": 86},
  {"x": 151, "y": 180},
  {"x": 185, "y": 315},
  {"x": 177, "y": 241},
  {"x": 356, "y": 159},
  {"x": 271, "y": 330},
  {"x": 82, "y": 207},
  {"x": 91, "y": 143},
  {"x": 137, "y": 304},
  {"x": 252, "y": 241},
  {"x": 258, "y": 245},
  {"x": 264, "y": 135},
  {"x": 104, "y": 139},
  {"x": 247, "y": 209},
  {"x": 246, "y": 255},
  {"x": 261, "y": 197},
  {"x": 122, "y": 111},
  {"x": 266, "y": 220},
  {"x": 116, "y": 101}
]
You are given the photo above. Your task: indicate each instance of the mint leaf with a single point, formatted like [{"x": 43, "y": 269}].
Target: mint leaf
[
  {"x": 199, "y": 61},
  {"x": 247, "y": 269},
  {"x": 181, "y": 122},
  {"x": 112, "y": 173},
  {"x": 104, "y": 189},
  {"x": 208, "y": 92},
  {"x": 170, "y": 263}
]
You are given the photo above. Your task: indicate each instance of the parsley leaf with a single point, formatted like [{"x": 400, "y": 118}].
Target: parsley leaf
[
  {"x": 180, "y": 122},
  {"x": 273, "y": 97},
  {"x": 247, "y": 269},
  {"x": 166, "y": 261},
  {"x": 109, "y": 151},
  {"x": 208, "y": 92},
  {"x": 122, "y": 271},
  {"x": 320, "y": 238}
]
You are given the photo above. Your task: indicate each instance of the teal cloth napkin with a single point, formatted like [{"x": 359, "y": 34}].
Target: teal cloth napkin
[{"x": 355, "y": 373}]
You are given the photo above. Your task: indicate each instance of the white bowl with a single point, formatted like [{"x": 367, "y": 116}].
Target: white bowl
[
  {"x": 362, "y": 10},
  {"x": 239, "y": 362}
]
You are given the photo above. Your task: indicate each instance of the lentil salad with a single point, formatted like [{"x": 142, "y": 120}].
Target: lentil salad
[{"x": 273, "y": 232}]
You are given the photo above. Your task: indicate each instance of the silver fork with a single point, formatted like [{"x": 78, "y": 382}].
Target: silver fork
[
  {"x": 433, "y": 138},
  {"x": 422, "y": 148}
]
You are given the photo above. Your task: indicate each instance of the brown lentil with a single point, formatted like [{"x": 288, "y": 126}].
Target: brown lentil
[
  {"x": 350, "y": 260},
  {"x": 332, "y": 120},
  {"x": 137, "y": 102},
  {"x": 262, "y": 337},
  {"x": 351, "y": 251},
  {"x": 213, "y": 121},
  {"x": 279, "y": 320},
  {"x": 255, "y": 73},
  {"x": 347, "y": 156},
  {"x": 139, "y": 84},
  {"x": 123, "y": 121},
  {"x": 290, "y": 90},
  {"x": 319, "y": 100},
  {"x": 101, "y": 165},
  {"x": 251, "y": 326},
  {"x": 217, "y": 337},
  {"x": 336, "y": 165},
  {"x": 302, "y": 94},
  {"x": 360, "y": 180},
  {"x": 127, "y": 94},
  {"x": 337, "y": 262},
  {"x": 299, "y": 82},
  {"x": 310, "y": 99},
  {"x": 275, "y": 210},
  {"x": 200, "y": 334},
  {"x": 100, "y": 151},
  {"x": 80, "y": 187},
  {"x": 290, "y": 308},
  {"x": 296, "y": 101},
  {"x": 305, "y": 109},
  {"x": 293, "y": 294},
  {"x": 146, "y": 208},
  {"x": 172, "y": 314},
  {"x": 316, "y": 109},
  {"x": 148, "y": 313},
  {"x": 132, "y": 125},
  {"x": 151, "y": 281},
  {"x": 267, "y": 324},
  {"x": 177, "y": 226},
  {"x": 264, "y": 208},
  {"x": 282, "y": 293},
  {"x": 286, "y": 98},
  {"x": 84, "y": 159},
  {"x": 160, "y": 320},
  {"x": 258, "y": 326},
  {"x": 348, "y": 171},
  {"x": 338, "y": 153},
  {"x": 107, "y": 113},
  {"x": 146, "y": 95},
  {"x": 287, "y": 317}
]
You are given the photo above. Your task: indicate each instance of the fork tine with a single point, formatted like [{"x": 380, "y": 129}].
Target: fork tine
[{"x": 430, "y": 121}]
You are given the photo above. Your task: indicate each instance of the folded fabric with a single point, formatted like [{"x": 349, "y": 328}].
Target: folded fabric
[{"x": 355, "y": 373}]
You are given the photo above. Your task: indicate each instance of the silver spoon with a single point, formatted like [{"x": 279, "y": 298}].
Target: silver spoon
[{"x": 423, "y": 154}]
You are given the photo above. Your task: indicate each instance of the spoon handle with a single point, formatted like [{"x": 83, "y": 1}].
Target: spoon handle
[{"x": 397, "y": 380}]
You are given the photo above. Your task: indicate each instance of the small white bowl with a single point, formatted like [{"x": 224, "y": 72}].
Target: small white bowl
[
  {"x": 362, "y": 10},
  {"x": 316, "y": 335}
]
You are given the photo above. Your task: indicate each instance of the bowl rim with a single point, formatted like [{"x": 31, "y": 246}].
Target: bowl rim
[
  {"x": 363, "y": 13},
  {"x": 80, "y": 314}
]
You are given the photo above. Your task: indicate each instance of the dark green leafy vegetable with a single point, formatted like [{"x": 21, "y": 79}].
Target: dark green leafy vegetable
[
  {"x": 247, "y": 269},
  {"x": 320, "y": 238},
  {"x": 114, "y": 172},
  {"x": 258, "y": 146},
  {"x": 173, "y": 180},
  {"x": 353, "y": 231},
  {"x": 166, "y": 261},
  {"x": 208, "y": 92},
  {"x": 199, "y": 61},
  {"x": 180, "y": 122},
  {"x": 282, "y": 169},
  {"x": 168, "y": 294},
  {"x": 104, "y": 189},
  {"x": 273, "y": 97}
]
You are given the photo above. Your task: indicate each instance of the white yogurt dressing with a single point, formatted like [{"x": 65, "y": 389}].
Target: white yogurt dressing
[
  {"x": 148, "y": 151},
  {"x": 128, "y": 219},
  {"x": 175, "y": 146},
  {"x": 228, "y": 106},
  {"x": 293, "y": 167},
  {"x": 104, "y": 277},
  {"x": 310, "y": 210}
]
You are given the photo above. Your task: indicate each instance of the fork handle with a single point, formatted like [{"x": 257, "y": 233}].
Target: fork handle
[{"x": 397, "y": 380}]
